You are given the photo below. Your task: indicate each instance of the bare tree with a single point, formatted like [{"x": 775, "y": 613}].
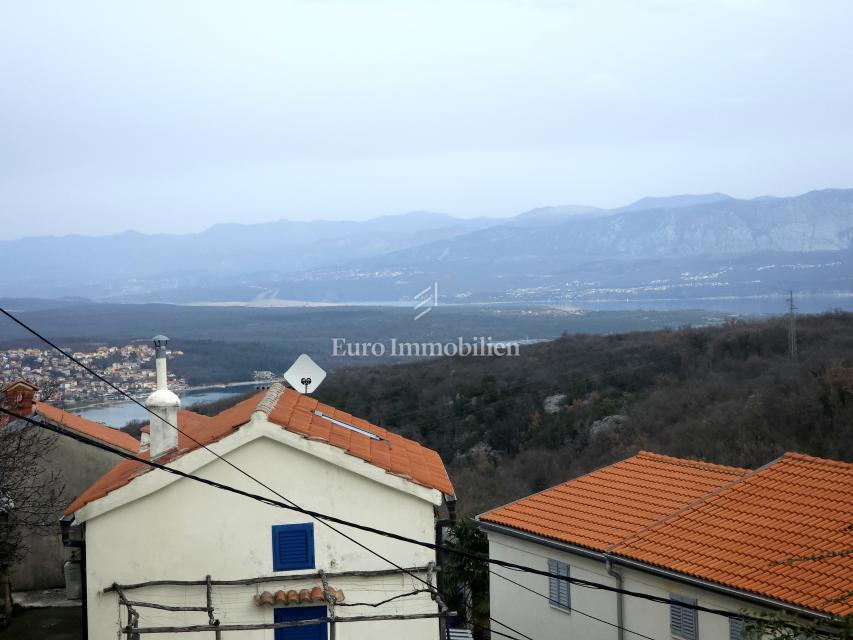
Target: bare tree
[{"x": 31, "y": 492}]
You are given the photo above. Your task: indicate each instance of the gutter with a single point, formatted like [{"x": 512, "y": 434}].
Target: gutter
[
  {"x": 620, "y": 629},
  {"x": 713, "y": 586}
]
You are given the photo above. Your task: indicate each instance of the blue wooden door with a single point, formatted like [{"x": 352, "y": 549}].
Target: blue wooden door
[{"x": 310, "y": 632}]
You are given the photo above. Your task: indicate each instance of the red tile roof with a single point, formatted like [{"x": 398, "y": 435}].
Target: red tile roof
[
  {"x": 293, "y": 412},
  {"x": 96, "y": 430},
  {"x": 394, "y": 453},
  {"x": 779, "y": 532},
  {"x": 603, "y": 507}
]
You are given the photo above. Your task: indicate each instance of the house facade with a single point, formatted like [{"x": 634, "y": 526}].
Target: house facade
[
  {"x": 142, "y": 524},
  {"x": 723, "y": 538}
]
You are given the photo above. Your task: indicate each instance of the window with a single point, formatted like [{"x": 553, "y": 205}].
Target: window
[
  {"x": 293, "y": 546},
  {"x": 683, "y": 622},
  {"x": 309, "y": 632},
  {"x": 558, "y": 590},
  {"x": 737, "y": 628}
]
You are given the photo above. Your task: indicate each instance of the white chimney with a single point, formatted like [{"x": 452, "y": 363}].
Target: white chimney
[{"x": 164, "y": 404}]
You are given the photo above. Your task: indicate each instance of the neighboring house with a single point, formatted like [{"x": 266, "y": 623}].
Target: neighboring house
[
  {"x": 77, "y": 465},
  {"x": 141, "y": 524},
  {"x": 721, "y": 537}
]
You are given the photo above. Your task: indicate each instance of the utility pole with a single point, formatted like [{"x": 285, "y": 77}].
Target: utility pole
[{"x": 792, "y": 327}]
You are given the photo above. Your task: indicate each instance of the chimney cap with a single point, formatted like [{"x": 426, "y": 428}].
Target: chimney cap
[
  {"x": 160, "y": 340},
  {"x": 163, "y": 398}
]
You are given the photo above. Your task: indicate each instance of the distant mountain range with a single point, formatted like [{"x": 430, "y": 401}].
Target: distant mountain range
[{"x": 678, "y": 246}]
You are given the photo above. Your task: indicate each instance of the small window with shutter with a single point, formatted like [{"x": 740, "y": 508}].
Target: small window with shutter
[
  {"x": 737, "y": 629},
  {"x": 558, "y": 590},
  {"x": 683, "y": 621},
  {"x": 293, "y": 546}
]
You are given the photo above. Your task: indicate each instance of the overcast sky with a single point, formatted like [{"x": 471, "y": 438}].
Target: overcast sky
[{"x": 172, "y": 116}]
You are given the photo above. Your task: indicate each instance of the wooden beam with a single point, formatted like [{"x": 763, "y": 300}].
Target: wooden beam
[
  {"x": 252, "y": 581},
  {"x": 280, "y": 625},
  {"x": 164, "y": 607}
]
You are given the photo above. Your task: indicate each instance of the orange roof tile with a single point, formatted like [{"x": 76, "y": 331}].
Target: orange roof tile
[
  {"x": 603, "y": 507},
  {"x": 748, "y": 535},
  {"x": 394, "y": 453},
  {"x": 108, "y": 435},
  {"x": 294, "y": 412}
]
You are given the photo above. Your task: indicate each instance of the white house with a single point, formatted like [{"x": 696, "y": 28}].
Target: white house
[
  {"x": 746, "y": 542},
  {"x": 142, "y": 524}
]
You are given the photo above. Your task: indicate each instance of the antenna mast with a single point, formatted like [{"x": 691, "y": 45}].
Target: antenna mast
[{"x": 792, "y": 327}]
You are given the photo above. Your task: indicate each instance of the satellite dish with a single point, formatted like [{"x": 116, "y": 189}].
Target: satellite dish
[{"x": 304, "y": 375}]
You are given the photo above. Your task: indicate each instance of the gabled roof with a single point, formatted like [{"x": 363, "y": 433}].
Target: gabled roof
[
  {"x": 293, "y": 412},
  {"x": 20, "y": 382},
  {"x": 603, "y": 507},
  {"x": 780, "y": 532},
  {"x": 96, "y": 430}
]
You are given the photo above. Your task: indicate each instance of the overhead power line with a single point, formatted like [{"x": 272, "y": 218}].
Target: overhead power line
[
  {"x": 206, "y": 448},
  {"x": 324, "y": 518},
  {"x": 387, "y": 534},
  {"x": 573, "y": 609},
  {"x": 191, "y": 438}
]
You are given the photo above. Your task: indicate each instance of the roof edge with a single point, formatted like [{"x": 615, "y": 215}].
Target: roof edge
[
  {"x": 648, "y": 455},
  {"x": 533, "y": 537},
  {"x": 689, "y": 462},
  {"x": 804, "y": 457}
]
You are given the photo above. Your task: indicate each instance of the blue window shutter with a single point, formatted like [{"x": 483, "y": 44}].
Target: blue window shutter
[
  {"x": 310, "y": 632},
  {"x": 737, "y": 628},
  {"x": 553, "y": 583},
  {"x": 293, "y": 546},
  {"x": 559, "y": 592},
  {"x": 683, "y": 621}
]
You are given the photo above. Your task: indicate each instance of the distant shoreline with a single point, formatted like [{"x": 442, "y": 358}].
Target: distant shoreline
[{"x": 223, "y": 386}]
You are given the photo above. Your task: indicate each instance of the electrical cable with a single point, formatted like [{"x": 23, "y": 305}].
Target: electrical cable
[
  {"x": 506, "y": 626},
  {"x": 573, "y": 609},
  {"x": 387, "y": 534},
  {"x": 248, "y": 475},
  {"x": 323, "y": 517},
  {"x": 203, "y": 446}
]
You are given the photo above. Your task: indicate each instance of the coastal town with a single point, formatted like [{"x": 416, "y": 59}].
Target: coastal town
[{"x": 127, "y": 366}]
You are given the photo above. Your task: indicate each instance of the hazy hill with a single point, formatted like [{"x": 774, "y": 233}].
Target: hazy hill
[
  {"x": 678, "y": 246},
  {"x": 719, "y": 247},
  {"x": 139, "y": 266},
  {"x": 675, "y": 202},
  {"x": 816, "y": 221}
]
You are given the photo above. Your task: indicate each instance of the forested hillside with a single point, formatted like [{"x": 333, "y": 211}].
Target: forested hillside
[{"x": 515, "y": 425}]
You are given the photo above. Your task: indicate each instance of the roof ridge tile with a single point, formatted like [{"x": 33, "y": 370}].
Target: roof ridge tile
[{"x": 270, "y": 399}]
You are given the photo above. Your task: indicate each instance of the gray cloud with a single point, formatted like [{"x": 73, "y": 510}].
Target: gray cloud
[{"x": 162, "y": 115}]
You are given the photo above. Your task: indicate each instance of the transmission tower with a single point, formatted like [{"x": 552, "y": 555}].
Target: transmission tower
[{"x": 792, "y": 327}]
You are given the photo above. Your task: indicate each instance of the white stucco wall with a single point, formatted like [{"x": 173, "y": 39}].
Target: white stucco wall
[
  {"x": 185, "y": 530},
  {"x": 535, "y": 617}
]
